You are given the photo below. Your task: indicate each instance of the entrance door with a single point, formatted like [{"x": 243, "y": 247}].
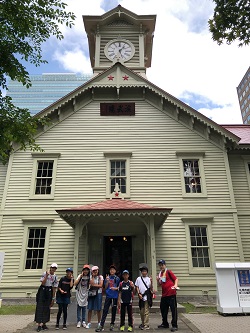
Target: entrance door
[{"x": 117, "y": 250}]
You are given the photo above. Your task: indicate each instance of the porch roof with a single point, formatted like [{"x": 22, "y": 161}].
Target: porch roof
[{"x": 114, "y": 207}]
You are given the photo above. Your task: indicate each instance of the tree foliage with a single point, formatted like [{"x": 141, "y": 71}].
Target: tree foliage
[
  {"x": 24, "y": 26},
  {"x": 231, "y": 22}
]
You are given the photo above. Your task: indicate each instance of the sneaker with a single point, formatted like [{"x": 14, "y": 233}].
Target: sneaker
[
  {"x": 122, "y": 328},
  {"x": 83, "y": 324},
  {"x": 141, "y": 327},
  {"x": 39, "y": 328},
  {"x": 146, "y": 327},
  {"x": 64, "y": 326},
  {"x": 163, "y": 326},
  {"x": 174, "y": 329},
  {"x": 99, "y": 325},
  {"x": 44, "y": 327},
  {"x": 130, "y": 329},
  {"x": 112, "y": 326},
  {"x": 78, "y": 324},
  {"x": 57, "y": 326},
  {"x": 99, "y": 329},
  {"x": 88, "y": 325}
]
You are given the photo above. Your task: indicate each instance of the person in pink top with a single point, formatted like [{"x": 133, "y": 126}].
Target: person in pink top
[{"x": 169, "y": 283}]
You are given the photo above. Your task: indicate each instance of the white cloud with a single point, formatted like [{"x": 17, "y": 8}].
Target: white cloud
[
  {"x": 185, "y": 59},
  {"x": 73, "y": 61}
]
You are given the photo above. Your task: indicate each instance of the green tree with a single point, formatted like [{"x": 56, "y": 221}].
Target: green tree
[
  {"x": 24, "y": 26},
  {"x": 231, "y": 22}
]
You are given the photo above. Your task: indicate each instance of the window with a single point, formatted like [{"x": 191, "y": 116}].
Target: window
[
  {"x": 118, "y": 175},
  {"x": 34, "y": 254},
  {"x": 199, "y": 246},
  {"x": 35, "y": 248},
  {"x": 192, "y": 174},
  {"x": 118, "y": 172},
  {"x": 44, "y": 175},
  {"x": 192, "y": 178},
  {"x": 200, "y": 252}
]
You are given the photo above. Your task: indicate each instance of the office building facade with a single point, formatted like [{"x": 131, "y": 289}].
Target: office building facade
[
  {"x": 243, "y": 91},
  {"x": 45, "y": 90}
]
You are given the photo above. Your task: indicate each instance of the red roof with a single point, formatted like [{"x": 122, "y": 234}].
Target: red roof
[
  {"x": 115, "y": 204},
  {"x": 115, "y": 207},
  {"x": 242, "y": 131}
]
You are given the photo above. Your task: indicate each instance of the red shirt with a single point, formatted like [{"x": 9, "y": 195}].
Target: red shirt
[{"x": 166, "y": 286}]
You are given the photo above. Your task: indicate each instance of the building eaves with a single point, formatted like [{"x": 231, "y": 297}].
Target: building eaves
[{"x": 141, "y": 82}]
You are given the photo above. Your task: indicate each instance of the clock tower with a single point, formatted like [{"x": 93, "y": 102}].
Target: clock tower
[{"x": 120, "y": 36}]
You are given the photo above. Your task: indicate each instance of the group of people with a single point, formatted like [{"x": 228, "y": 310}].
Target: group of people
[{"x": 90, "y": 286}]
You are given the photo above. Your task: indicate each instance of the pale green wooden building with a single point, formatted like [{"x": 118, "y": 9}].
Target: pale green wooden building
[{"x": 129, "y": 175}]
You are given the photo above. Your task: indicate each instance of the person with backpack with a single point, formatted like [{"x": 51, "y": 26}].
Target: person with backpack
[
  {"x": 111, "y": 285},
  {"x": 82, "y": 286},
  {"x": 169, "y": 283},
  {"x": 144, "y": 290},
  {"x": 125, "y": 298}
]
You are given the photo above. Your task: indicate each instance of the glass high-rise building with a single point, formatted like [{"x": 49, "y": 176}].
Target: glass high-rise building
[
  {"x": 243, "y": 91},
  {"x": 45, "y": 90}
]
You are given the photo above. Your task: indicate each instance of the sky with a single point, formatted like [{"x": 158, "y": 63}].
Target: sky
[{"x": 186, "y": 62}]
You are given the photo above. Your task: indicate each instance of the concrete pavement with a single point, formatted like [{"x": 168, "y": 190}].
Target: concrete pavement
[{"x": 188, "y": 323}]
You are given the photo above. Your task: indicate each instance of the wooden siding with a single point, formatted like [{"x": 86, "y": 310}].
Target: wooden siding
[
  {"x": 244, "y": 223},
  {"x": 153, "y": 138},
  {"x": 12, "y": 240},
  {"x": 240, "y": 182},
  {"x": 241, "y": 186}
]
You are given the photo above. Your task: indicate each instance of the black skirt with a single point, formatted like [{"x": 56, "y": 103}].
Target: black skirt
[{"x": 43, "y": 301}]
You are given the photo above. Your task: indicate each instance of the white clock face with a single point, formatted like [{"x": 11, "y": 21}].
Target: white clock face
[{"x": 119, "y": 49}]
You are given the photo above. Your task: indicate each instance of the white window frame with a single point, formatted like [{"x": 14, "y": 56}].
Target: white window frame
[
  {"x": 113, "y": 156},
  {"x": 192, "y": 156},
  {"x": 198, "y": 222},
  {"x": 36, "y": 224},
  {"x": 42, "y": 157}
]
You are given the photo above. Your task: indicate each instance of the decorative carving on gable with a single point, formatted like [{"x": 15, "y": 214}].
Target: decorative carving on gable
[{"x": 120, "y": 23}]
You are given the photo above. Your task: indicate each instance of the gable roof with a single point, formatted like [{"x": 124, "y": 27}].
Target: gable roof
[
  {"x": 114, "y": 207},
  {"x": 119, "y": 77},
  {"x": 242, "y": 131}
]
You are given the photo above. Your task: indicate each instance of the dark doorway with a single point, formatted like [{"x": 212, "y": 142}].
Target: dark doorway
[{"x": 117, "y": 251}]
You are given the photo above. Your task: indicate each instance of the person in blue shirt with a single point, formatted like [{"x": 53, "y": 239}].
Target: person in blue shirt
[{"x": 111, "y": 285}]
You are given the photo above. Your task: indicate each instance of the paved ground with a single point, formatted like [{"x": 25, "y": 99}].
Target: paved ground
[{"x": 188, "y": 323}]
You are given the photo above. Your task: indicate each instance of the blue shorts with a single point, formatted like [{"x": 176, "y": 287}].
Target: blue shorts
[{"x": 95, "y": 303}]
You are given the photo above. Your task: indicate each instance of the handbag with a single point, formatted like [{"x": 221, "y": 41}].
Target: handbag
[
  {"x": 92, "y": 292},
  {"x": 148, "y": 292}
]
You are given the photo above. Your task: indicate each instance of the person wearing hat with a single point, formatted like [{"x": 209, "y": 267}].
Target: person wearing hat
[
  {"x": 143, "y": 287},
  {"x": 126, "y": 289},
  {"x": 111, "y": 285},
  {"x": 45, "y": 297},
  {"x": 95, "y": 295},
  {"x": 169, "y": 283},
  {"x": 82, "y": 286},
  {"x": 63, "y": 296}
]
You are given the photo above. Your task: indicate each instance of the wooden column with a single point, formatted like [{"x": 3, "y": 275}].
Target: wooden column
[
  {"x": 152, "y": 252},
  {"x": 76, "y": 248}
]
